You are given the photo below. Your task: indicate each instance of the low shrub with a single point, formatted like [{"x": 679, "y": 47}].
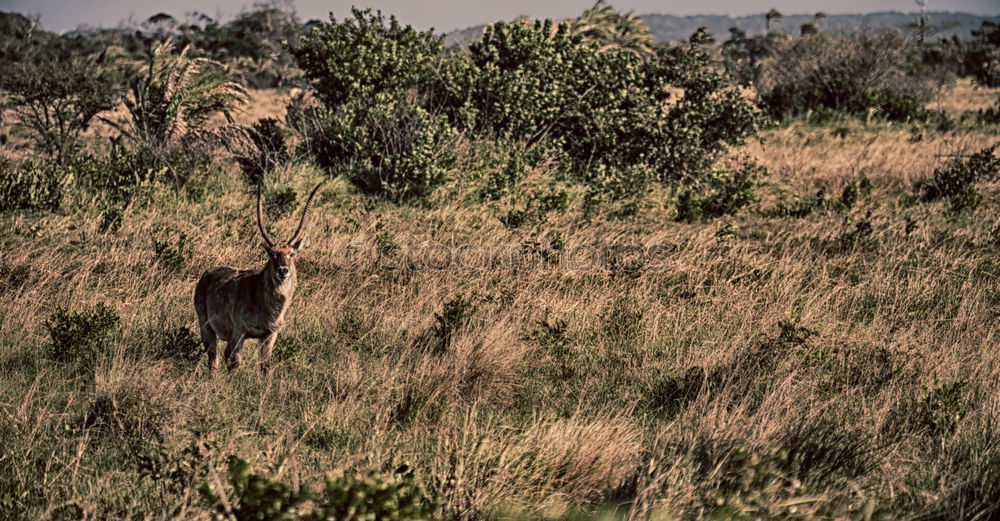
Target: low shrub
[
  {"x": 723, "y": 193},
  {"x": 942, "y": 407},
  {"x": 32, "y": 186},
  {"x": 171, "y": 249},
  {"x": 957, "y": 179},
  {"x": 396, "y": 496},
  {"x": 386, "y": 146},
  {"x": 81, "y": 337},
  {"x": 456, "y": 314},
  {"x": 119, "y": 176}
]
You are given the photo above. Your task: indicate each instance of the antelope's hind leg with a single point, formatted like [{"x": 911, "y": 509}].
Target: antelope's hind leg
[
  {"x": 266, "y": 344},
  {"x": 209, "y": 339}
]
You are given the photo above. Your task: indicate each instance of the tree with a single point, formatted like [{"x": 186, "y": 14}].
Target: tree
[
  {"x": 170, "y": 99},
  {"x": 58, "y": 101},
  {"x": 772, "y": 15},
  {"x": 609, "y": 29},
  {"x": 982, "y": 60},
  {"x": 702, "y": 36}
]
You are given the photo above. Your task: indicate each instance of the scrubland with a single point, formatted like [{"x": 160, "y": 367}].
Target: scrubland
[{"x": 827, "y": 353}]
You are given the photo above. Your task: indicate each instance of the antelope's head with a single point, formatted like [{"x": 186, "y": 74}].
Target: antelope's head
[{"x": 281, "y": 257}]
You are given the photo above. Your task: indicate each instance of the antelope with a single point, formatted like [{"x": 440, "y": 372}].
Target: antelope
[{"x": 235, "y": 305}]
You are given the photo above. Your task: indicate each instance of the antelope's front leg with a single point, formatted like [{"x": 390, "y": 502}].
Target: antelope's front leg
[
  {"x": 233, "y": 349},
  {"x": 266, "y": 344}
]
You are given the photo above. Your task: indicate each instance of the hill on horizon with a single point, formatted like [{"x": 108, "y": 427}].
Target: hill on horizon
[{"x": 665, "y": 27}]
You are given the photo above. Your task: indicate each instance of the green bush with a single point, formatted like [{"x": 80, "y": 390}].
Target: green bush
[
  {"x": 31, "y": 186},
  {"x": 859, "y": 75},
  {"x": 603, "y": 109},
  {"x": 372, "y": 496},
  {"x": 81, "y": 337},
  {"x": 376, "y": 497},
  {"x": 387, "y": 146},
  {"x": 171, "y": 249},
  {"x": 253, "y": 497},
  {"x": 118, "y": 176},
  {"x": 723, "y": 193},
  {"x": 363, "y": 56},
  {"x": 264, "y": 150},
  {"x": 394, "y": 99},
  {"x": 957, "y": 179}
]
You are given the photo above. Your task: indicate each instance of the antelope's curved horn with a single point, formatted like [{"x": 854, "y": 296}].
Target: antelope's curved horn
[
  {"x": 260, "y": 220},
  {"x": 305, "y": 213}
]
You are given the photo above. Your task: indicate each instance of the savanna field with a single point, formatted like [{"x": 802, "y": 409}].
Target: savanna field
[{"x": 795, "y": 320}]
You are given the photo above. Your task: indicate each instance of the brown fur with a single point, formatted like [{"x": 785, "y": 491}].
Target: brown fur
[{"x": 234, "y": 305}]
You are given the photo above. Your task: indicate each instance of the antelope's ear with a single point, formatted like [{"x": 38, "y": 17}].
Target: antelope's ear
[
  {"x": 301, "y": 244},
  {"x": 266, "y": 249}
]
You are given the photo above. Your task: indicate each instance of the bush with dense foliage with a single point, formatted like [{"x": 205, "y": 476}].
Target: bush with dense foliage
[
  {"x": 982, "y": 60},
  {"x": 860, "y": 75},
  {"x": 956, "y": 180},
  {"x": 393, "y": 97},
  {"x": 31, "y": 186}
]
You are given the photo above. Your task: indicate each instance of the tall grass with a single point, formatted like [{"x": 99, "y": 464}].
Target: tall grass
[{"x": 838, "y": 364}]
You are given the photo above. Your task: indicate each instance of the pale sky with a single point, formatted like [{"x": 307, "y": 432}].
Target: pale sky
[{"x": 448, "y": 15}]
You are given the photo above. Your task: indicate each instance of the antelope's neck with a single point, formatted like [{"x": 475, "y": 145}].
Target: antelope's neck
[{"x": 277, "y": 295}]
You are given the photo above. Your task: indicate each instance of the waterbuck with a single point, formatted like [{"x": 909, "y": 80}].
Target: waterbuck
[{"x": 234, "y": 305}]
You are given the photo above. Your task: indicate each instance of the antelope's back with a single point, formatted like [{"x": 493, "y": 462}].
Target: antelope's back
[{"x": 215, "y": 287}]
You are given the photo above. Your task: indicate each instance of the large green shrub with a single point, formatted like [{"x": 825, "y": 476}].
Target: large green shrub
[
  {"x": 363, "y": 56},
  {"x": 392, "y": 97},
  {"x": 603, "y": 108},
  {"x": 376, "y": 127},
  {"x": 387, "y": 145},
  {"x": 858, "y": 75}
]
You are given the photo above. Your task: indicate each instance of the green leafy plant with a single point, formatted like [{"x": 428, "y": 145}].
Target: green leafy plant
[
  {"x": 253, "y": 497},
  {"x": 370, "y": 496},
  {"x": 723, "y": 193},
  {"x": 32, "y": 186},
  {"x": 456, "y": 314},
  {"x": 81, "y": 337},
  {"x": 264, "y": 149},
  {"x": 171, "y": 249},
  {"x": 376, "y": 496},
  {"x": 942, "y": 407},
  {"x": 365, "y": 55},
  {"x": 957, "y": 179},
  {"x": 392, "y": 147}
]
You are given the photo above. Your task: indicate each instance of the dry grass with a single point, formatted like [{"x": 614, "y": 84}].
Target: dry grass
[{"x": 786, "y": 369}]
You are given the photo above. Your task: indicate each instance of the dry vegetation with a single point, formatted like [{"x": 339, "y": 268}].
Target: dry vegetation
[{"x": 823, "y": 364}]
